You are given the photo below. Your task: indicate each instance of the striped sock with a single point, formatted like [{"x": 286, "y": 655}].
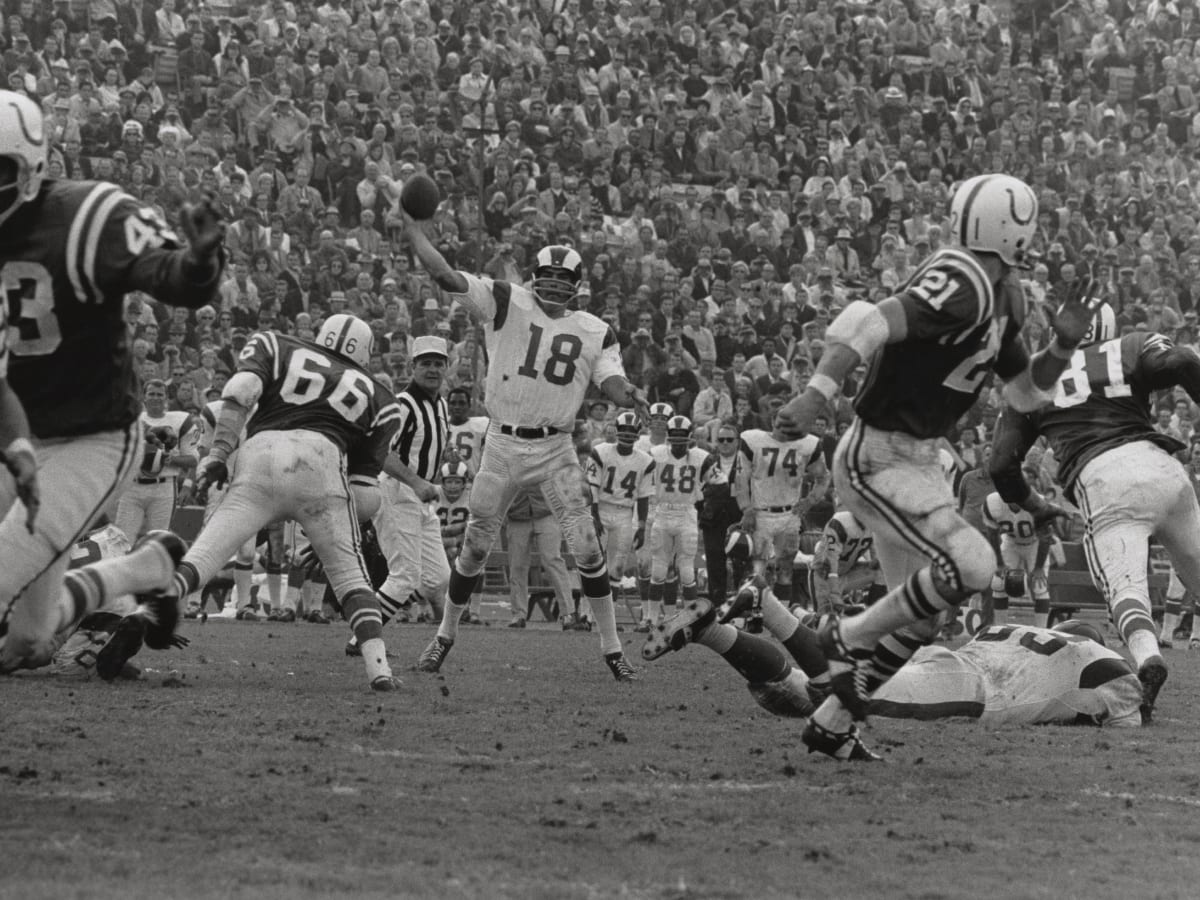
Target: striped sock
[
  {"x": 1172, "y": 609},
  {"x": 387, "y": 607},
  {"x": 361, "y": 610},
  {"x": 892, "y": 652},
  {"x": 912, "y": 601}
]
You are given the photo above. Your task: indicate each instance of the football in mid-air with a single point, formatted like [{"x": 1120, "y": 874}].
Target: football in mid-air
[{"x": 420, "y": 197}]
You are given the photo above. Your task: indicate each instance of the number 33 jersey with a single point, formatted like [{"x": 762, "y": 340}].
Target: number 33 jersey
[
  {"x": 309, "y": 388},
  {"x": 539, "y": 368},
  {"x": 959, "y": 330},
  {"x": 67, "y": 259}
]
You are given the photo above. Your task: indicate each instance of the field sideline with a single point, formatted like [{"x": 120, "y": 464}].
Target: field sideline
[{"x": 525, "y": 771}]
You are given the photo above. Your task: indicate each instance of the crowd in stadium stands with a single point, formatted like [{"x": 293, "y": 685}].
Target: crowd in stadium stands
[{"x": 731, "y": 173}]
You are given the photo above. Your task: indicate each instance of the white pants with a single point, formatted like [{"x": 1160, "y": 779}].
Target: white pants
[
  {"x": 776, "y": 540},
  {"x": 410, "y": 536},
  {"x": 282, "y": 475},
  {"x": 80, "y": 479},
  {"x": 674, "y": 538},
  {"x": 1023, "y": 558},
  {"x": 1129, "y": 495},
  {"x": 522, "y": 536},
  {"x": 146, "y": 507},
  {"x": 617, "y": 522}
]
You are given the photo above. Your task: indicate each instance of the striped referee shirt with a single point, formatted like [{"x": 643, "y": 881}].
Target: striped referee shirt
[{"x": 424, "y": 432}]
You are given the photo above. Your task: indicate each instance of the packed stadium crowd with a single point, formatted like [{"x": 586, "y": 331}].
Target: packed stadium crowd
[{"x": 718, "y": 184}]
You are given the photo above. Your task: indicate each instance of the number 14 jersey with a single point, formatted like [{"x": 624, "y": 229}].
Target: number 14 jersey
[{"x": 539, "y": 367}]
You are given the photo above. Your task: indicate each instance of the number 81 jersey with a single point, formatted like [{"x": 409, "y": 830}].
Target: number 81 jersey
[
  {"x": 539, "y": 367},
  {"x": 307, "y": 387}
]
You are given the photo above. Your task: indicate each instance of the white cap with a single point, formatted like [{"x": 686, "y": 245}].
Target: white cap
[{"x": 428, "y": 345}]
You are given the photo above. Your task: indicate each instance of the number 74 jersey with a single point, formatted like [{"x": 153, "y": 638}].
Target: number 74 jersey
[{"x": 539, "y": 368}]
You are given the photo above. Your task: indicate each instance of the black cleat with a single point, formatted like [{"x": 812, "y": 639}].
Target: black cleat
[
  {"x": 849, "y": 669},
  {"x": 1152, "y": 674},
  {"x": 122, "y": 646},
  {"x": 434, "y": 655},
  {"x": 620, "y": 667},
  {"x": 160, "y": 609},
  {"x": 844, "y": 747}
]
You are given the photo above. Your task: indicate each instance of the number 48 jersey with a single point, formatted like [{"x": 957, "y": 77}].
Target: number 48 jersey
[
  {"x": 679, "y": 480},
  {"x": 539, "y": 367},
  {"x": 307, "y": 387}
]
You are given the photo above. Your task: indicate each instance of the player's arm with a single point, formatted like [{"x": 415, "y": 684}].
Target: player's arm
[
  {"x": 991, "y": 527},
  {"x": 405, "y": 423},
  {"x": 443, "y": 274},
  {"x": 126, "y": 246},
  {"x": 609, "y": 376},
  {"x": 594, "y": 469},
  {"x": 1165, "y": 364},
  {"x": 742, "y": 481},
  {"x": 187, "y": 454},
  {"x": 18, "y": 453},
  {"x": 822, "y": 478},
  {"x": 1015, "y": 435},
  {"x": 645, "y": 492}
]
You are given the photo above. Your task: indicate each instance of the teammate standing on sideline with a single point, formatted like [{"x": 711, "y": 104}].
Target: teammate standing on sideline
[
  {"x": 1120, "y": 471},
  {"x": 171, "y": 439},
  {"x": 466, "y": 431},
  {"x": 929, "y": 349},
  {"x": 410, "y": 533},
  {"x": 69, "y": 253},
  {"x": 543, "y": 357},
  {"x": 314, "y": 448}
]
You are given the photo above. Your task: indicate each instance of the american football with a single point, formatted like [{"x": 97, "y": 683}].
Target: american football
[{"x": 420, "y": 197}]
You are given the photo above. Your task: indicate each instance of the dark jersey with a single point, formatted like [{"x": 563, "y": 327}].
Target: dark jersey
[
  {"x": 959, "y": 330},
  {"x": 67, "y": 259},
  {"x": 307, "y": 387},
  {"x": 1102, "y": 400}
]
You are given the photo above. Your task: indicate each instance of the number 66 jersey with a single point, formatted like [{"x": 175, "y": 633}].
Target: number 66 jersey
[{"x": 539, "y": 367}]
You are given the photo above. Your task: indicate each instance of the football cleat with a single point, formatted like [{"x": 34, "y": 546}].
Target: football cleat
[
  {"x": 620, "y": 667},
  {"x": 316, "y": 617},
  {"x": 746, "y": 602},
  {"x": 517, "y": 622},
  {"x": 1194, "y": 644},
  {"x": 127, "y": 639},
  {"x": 844, "y": 747},
  {"x": 680, "y": 629},
  {"x": 246, "y": 614},
  {"x": 642, "y": 627},
  {"x": 286, "y": 615},
  {"x": 1165, "y": 644},
  {"x": 161, "y": 608},
  {"x": 434, "y": 655},
  {"x": 352, "y": 648},
  {"x": 1152, "y": 674},
  {"x": 386, "y": 684},
  {"x": 849, "y": 670}
]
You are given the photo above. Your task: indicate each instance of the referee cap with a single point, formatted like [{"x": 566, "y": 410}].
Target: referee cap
[{"x": 428, "y": 345}]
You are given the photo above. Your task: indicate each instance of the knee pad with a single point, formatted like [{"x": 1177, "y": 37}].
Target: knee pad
[{"x": 1014, "y": 583}]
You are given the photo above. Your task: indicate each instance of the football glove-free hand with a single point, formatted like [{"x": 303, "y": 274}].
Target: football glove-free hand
[
  {"x": 214, "y": 473},
  {"x": 202, "y": 225},
  {"x": 178, "y": 641},
  {"x": 1075, "y": 316},
  {"x": 22, "y": 465},
  {"x": 310, "y": 563}
]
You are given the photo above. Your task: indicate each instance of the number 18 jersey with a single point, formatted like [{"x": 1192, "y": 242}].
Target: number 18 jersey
[
  {"x": 307, "y": 387},
  {"x": 539, "y": 368}
]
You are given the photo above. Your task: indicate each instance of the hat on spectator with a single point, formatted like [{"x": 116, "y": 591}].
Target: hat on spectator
[
  {"x": 825, "y": 272},
  {"x": 337, "y": 296},
  {"x": 642, "y": 333},
  {"x": 324, "y": 234},
  {"x": 843, "y": 234},
  {"x": 431, "y": 305},
  {"x": 429, "y": 345}
]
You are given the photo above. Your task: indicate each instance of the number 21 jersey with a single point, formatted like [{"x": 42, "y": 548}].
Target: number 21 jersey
[
  {"x": 539, "y": 368},
  {"x": 309, "y": 388}
]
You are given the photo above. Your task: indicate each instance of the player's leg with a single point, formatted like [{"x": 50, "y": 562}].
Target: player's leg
[
  {"x": 566, "y": 492},
  {"x": 243, "y": 577},
  {"x": 1172, "y": 609},
  {"x": 785, "y": 540},
  {"x": 520, "y": 537},
  {"x": 160, "y": 506},
  {"x": 661, "y": 546},
  {"x": 275, "y": 571},
  {"x": 398, "y": 525},
  {"x": 434, "y": 564},
  {"x": 131, "y": 510},
  {"x": 686, "y": 547},
  {"x": 1012, "y": 586},
  {"x": 548, "y": 537},
  {"x": 81, "y": 479}
]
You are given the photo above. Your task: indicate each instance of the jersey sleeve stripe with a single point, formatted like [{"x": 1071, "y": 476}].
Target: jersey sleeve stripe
[
  {"x": 969, "y": 268},
  {"x": 94, "y": 231},
  {"x": 273, "y": 346},
  {"x": 502, "y": 293},
  {"x": 387, "y": 415},
  {"x": 74, "y": 255}
]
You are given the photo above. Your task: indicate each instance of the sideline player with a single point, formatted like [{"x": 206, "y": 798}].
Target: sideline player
[
  {"x": 171, "y": 437},
  {"x": 655, "y": 436},
  {"x": 543, "y": 355},
  {"x": 1023, "y": 556},
  {"x": 1119, "y": 470},
  {"x": 467, "y": 432},
  {"x": 622, "y": 482},
  {"x": 768, "y": 478},
  {"x": 841, "y": 563},
  {"x": 69, "y": 253},
  {"x": 929, "y": 349},
  {"x": 321, "y": 424},
  {"x": 680, "y": 473}
]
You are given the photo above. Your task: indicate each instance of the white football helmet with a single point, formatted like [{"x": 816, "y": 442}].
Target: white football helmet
[
  {"x": 995, "y": 214},
  {"x": 454, "y": 479},
  {"x": 661, "y": 411},
  {"x": 23, "y": 140},
  {"x": 679, "y": 431},
  {"x": 628, "y": 429},
  {"x": 557, "y": 274},
  {"x": 348, "y": 336}
]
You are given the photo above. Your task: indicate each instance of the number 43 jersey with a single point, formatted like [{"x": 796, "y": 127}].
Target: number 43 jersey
[
  {"x": 67, "y": 259},
  {"x": 539, "y": 368},
  {"x": 306, "y": 387},
  {"x": 959, "y": 330},
  {"x": 1102, "y": 401}
]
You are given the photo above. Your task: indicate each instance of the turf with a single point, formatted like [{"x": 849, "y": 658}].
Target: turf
[{"x": 268, "y": 770}]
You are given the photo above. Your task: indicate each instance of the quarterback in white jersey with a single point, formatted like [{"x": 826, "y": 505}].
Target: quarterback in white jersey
[
  {"x": 841, "y": 563},
  {"x": 1023, "y": 556},
  {"x": 769, "y": 476},
  {"x": 466, "y": 432},
  {"x": 622, "y": 483},
  {"x": 169, "y": 441},
  {"x": 543, "y": 357},
  {"x": 680, "y": 473}
]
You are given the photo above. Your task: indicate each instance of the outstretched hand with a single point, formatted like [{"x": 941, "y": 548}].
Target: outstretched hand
[
  {"x": 1075, "y": 317},
  {"x": 203, "y": 226}
]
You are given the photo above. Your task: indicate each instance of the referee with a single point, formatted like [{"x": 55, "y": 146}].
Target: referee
[{"x": 410, "y": 534}]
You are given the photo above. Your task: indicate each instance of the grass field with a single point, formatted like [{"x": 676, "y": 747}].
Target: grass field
[{"x": 525, "y": 771}]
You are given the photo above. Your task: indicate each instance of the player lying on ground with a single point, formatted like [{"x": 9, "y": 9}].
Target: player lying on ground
[
  {"x": 542, "y": 355},
  {"x": 69, "y": 253},
  {"x": 1119, "y": 470},
  {"x": 929, "y": 350}
]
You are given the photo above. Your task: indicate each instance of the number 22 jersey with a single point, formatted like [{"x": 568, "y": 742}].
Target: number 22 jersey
[
  {"x": 309, "y": 388},
  {"x": 539, "y": 367},
  {"x": 959, "y": 329}
]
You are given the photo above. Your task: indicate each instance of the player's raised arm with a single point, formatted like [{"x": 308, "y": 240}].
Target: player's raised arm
[
  {"x": 444, "y": 275},
  {"x": 16, "y": 449}
]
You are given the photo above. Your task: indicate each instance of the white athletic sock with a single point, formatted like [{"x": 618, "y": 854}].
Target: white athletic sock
[
  {"x": 606, "y": 624},
  {"x": 777, "y": 618},
  {"x": 275, "y": 589},
  {"x": 1142, "y": 644},
  {"x": 450, "y": 616},
  {"x": 1170, "y": 623},
  {"x": 243, "y": 579},
  {"x": 374, "y": 656},
  {"x": 653, "y": 611},
  {"x": 832, "y": 716},
  {"x": 719, "y": 638}
]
